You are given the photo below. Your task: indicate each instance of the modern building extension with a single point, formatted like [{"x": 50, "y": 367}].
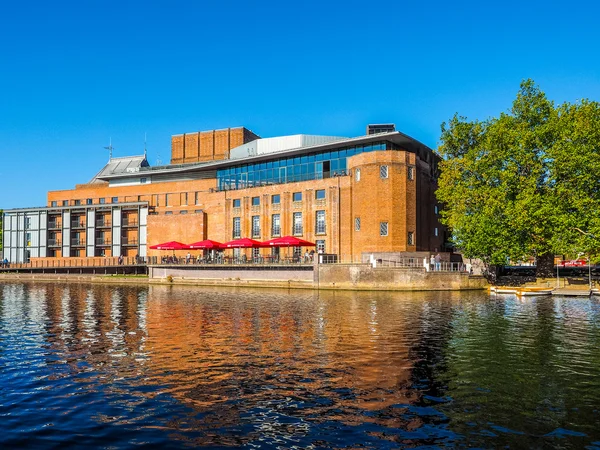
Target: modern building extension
[{"x": 353, "y": 197}]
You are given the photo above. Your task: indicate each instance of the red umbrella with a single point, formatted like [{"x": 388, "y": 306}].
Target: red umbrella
[
  {"x": 242, "y": 243},
  {"x": 172, "y": 245},
  {"x": 206, "y": 244},
  {"x": 288, "y": 241}
]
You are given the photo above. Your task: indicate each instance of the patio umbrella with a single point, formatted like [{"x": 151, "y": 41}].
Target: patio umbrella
[
  {"x": 172, "y": 245},
  {"x": 206, "y": 244},
  {"x": 288, "y": 241},
  {"x": 242, "y": 243}
]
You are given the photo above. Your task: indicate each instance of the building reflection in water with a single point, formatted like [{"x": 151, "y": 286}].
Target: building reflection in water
[{"x": 244, "y": 364}]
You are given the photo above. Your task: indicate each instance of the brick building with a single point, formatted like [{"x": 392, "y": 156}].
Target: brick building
[{"x": 354, "y": 197}]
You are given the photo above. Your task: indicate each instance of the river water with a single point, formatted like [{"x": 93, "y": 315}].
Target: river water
[{"x": 173, "y": 367}]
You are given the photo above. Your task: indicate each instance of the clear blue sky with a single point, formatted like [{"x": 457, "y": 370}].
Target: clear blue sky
[{"x": 74, "y": 74}]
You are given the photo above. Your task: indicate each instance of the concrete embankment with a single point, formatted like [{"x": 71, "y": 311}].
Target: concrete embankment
[{"x": 361, "y": 277}]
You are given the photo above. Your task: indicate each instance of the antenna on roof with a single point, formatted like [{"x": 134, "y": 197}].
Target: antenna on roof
[
  {"x": 110, "y": 148},
  {"x": 145, "y": 151}
]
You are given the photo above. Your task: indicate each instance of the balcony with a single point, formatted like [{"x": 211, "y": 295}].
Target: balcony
[
  {"x": 129, "y": 222},
  {"x": 53, "y": 242},
  {"x": 102, "y": 241},
  {"x": 101, "y": 223},
  {"x": 78, "y": 242},
  {"x": 129, "y": 241},
  {"x": 54, "y": 225},
  {"x": 77, "y": 224}
]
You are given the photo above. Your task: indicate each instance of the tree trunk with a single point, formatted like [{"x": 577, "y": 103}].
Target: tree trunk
[{"x": 545, "y": 266}]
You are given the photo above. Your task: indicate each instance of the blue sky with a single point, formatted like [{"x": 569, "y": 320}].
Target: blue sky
[{"x": 74, "y": 74}]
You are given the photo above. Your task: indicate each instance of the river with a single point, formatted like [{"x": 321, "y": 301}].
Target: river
[{"x": 123, "y": 367}]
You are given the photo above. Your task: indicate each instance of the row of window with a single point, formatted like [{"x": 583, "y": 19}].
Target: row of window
[
  {"x": 297, "y": 225},
  {"x": 88, "y": 201},
  {"x": 276, "y": 198},
  {"x": 384, "y": 230},
  {"x": 384, "y": 173}
]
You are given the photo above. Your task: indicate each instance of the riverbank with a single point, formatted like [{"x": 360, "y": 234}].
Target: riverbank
[{"x": 354, "y": 277}]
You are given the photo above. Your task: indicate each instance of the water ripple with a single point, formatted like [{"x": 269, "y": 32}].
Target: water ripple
[{"x": 173, "y": 367}]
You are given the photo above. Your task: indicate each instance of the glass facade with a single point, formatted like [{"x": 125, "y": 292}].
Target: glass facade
[{"x": 312, "y": 166}]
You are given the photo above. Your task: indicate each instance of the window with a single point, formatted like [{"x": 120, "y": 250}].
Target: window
[
  {"x": 65, "y": 202},
  {"x": 168, "y": 200},
  {"x": 54, "y": 203},
  {"x": 357, "y": 174},
  {"x": 383, "y": 228},
  {"x": 320, "y": 246},
  {"x": 357, "y": 224},
  {"x": 435, "y": 231},
  {"x": 198, "y": 211},
  {"x": 255, "y": 253},
  {"x": 88, "y": 201},
  {"x": 435, "y": 210},
  {"x": 183, "y": 211},
  {"x": 275, "y": 225},
  {"x": 320, "y": 194},
  {"x": 28, "y": 239},
  {"x": 297, "y": 224},
  {"x": 27, "y": 223},
  {"x": 255, "y": 201},
  {"x": 237, "y": 228},
  {"x": 168, "y": 213},
  {"x": 320, "y": 222},
  {"x": 237, "y": 203},
  {"x": 383, "y": 171},
  {"x": 411, "y": 173},
  {"x": 102, "y": 201},
  {"x": 115, "y": 200},
  {"x": 143, "y": 180},
  {"x": 77, "y": 202},
  {"x": 255, "y": 226},
  {"x": 411, "y": 238},
  {"x": 183, "y": 199},
  {"x": 197, "y": 198},
  {"x": 297, "y": 196},
  {"x": 275, "y": 199}
]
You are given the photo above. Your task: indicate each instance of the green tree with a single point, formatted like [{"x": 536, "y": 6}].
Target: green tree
[{"x": 524, "y": 183}]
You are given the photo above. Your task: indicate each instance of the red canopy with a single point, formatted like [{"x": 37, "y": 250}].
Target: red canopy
[
  {"x": 206, "y": 244},
  {"x": 288, "y": 241},
  {"x": 172, "y": 245},
  {"x": 242, "y": 243}
]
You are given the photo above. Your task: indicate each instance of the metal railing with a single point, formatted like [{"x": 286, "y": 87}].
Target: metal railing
[{"x": 129, "y": 223}]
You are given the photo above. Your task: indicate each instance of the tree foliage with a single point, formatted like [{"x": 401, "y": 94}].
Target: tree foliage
[{"x": 525, "y": 183}]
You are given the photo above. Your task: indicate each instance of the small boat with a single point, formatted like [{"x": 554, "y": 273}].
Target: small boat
[
  {"x": 534, "y": 291},
  {"x": 503, "y": 290}
]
